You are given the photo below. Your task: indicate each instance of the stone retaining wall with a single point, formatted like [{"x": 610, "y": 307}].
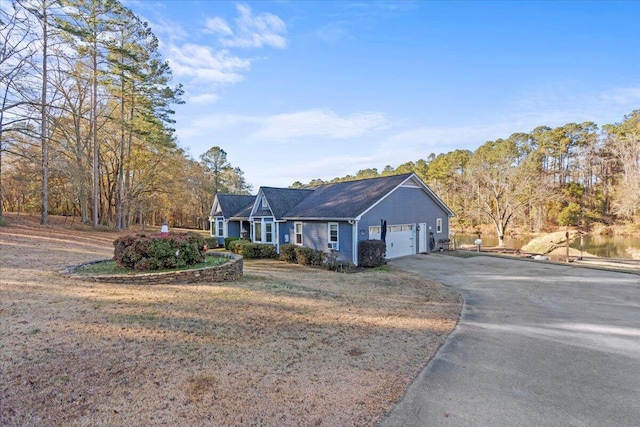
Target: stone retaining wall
[{"x": 229, "y": 271}]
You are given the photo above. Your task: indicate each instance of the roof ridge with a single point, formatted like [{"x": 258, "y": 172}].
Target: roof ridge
[{"x": 408, "y": 174}]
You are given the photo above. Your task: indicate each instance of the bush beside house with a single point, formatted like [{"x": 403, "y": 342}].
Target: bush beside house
[
  {"x": 295, "y": 254},
  {"x": 372, "y": 253},
  {"x": 308, "y": 256},
  {"x": 288, "y": 253},
  {"x": 251, "y": 250},
  {"x": 228, "y": 241}
]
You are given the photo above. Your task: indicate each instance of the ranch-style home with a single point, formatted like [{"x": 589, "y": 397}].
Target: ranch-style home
[{"x": 400, "y": 209}]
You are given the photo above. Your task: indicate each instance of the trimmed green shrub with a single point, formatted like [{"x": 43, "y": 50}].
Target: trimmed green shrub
[
  {"x": 237, "y": 246},
  {"x": 211, "y": 242},
  {"x": 372, "y": 253},
  {"x": 308, "y": 256},
  {"x": 251, "y": 250},
  {"x": 155, "y": 252},
  {"x": 288, "y": 253},
  {"x": 228, "y": 240}
]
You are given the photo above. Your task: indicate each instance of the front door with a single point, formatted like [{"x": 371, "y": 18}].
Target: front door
[{"x": 422, "y": 238}]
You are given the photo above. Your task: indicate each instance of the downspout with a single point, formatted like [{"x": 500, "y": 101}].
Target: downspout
[{"x": 354, "y": 233}]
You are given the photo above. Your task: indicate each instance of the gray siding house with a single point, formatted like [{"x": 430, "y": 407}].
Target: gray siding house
[
  {"x": 229, "y": 216},
  {"x": 336, "y": 217}
]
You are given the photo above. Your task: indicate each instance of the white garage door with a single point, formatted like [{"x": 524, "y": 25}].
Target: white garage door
[{"x": 400, "y": 239}]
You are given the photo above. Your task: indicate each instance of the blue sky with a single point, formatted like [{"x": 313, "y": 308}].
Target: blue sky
[{"x": 297, "y": 90}]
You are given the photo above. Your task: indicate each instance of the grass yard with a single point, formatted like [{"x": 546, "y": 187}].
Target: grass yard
[{"x": 286, "y": 345}]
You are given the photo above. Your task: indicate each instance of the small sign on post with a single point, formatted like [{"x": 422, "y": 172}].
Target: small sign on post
[{"x": 164, "y": 231}]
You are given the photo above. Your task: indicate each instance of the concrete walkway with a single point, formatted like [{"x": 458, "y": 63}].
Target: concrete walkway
[{"x": 538, "y": 344}]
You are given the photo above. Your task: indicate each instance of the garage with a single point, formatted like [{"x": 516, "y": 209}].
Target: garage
[{"x": 400, "y": 239}]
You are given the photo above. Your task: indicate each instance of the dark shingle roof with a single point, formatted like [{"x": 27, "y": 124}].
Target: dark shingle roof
[
  {"x": 345, "y": 200},
  {"x": 244, "y": 212},
  {"x": 233, "y": 205},
  {"x": 281, "y": 200}
]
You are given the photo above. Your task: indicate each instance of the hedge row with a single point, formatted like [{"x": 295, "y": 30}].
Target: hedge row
[
  {"x": 156, "y": 252},
  {"x": 251, "y": 250},
  {"x": 306, "y": 256},
  {"x": 371, "y": 254},
  {"x": 228, "y": 241}
]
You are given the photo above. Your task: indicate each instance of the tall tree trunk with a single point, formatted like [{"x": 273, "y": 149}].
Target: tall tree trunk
[
  {"x": 43, "y": 126},
  {"x": 94, "y": 129},
  {"x": 119, "y": 198}
]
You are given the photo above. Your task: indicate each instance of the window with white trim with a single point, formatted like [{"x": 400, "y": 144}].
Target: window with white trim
[
  {"x": 438, "y": 225},
  {"x": 257, "y": 231},
  {"x": 297, "y": 228},
  {"x": 268, "y": 232},
  {"x": 264, "y": 230},
  {"x": 333, "y": 237},
  {"x": 264, "y": 202},
  {"x": 220, "y": 227}
]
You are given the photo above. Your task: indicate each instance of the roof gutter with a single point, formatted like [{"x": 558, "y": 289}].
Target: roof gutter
[{"x": 290, "y": 218}]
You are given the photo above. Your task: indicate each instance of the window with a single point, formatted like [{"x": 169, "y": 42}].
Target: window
[
  {"x": 264, "y": 202},
  {"x": 268, "y": 232},
  {"x": 298, "y": 233},
  {"x": 257, "y": 231},
  {"x": 397, "y": 228},
  {"x": 438, "y": 225},
  {"x": 217, "y": 227},
  {"x": 333, "y": 236},
  {"x": 263, "y": 230}
]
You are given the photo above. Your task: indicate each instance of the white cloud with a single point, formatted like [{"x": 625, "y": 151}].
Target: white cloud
[
  {"x": 319, "y": 123},
  {"x": 204, "y": 69},
  {"x": 204, "y": 64},
  {"x": 203, "y": 98},
  {"x": 217, "y": 25},
  {"x": 284, "y": 127},
  {"x": 250, "y": 30}
]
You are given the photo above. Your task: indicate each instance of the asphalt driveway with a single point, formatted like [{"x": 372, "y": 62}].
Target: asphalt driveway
[{"x": 538, "y": 344}]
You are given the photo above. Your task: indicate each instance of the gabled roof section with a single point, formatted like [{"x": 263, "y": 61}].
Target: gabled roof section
[
  {"x": 231, "y": 205},
  {"x": 346, "y": 200},
  {"x": 244, "y": 213},
  {"x": 280, "y": 200}
]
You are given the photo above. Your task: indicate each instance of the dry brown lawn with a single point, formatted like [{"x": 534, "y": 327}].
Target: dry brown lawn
[{"x": 286, "y": 345}]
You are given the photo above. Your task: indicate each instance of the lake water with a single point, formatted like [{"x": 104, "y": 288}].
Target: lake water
[{"x": 602, "y": 246}]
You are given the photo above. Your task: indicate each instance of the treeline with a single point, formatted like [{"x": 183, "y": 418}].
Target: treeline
[
  {"x": 86, "y": 120},
  {"x": 576, "y": 174}
]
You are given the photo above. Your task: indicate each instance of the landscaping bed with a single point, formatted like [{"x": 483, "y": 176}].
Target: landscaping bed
[
  {"x": 217, "y": 267},
  {"x": 284, "y": 345}
]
